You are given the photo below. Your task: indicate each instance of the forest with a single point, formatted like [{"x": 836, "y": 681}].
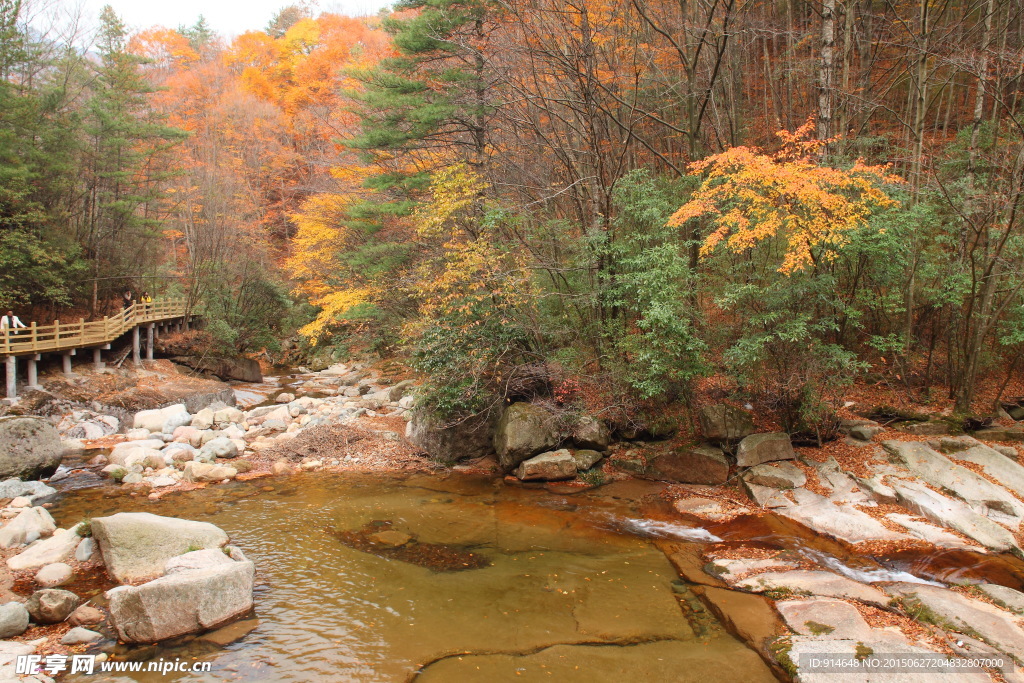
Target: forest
[{"x": 617, "y": 207}]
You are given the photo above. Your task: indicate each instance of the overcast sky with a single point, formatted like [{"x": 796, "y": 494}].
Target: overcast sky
[{"x": 227, "y": 17}]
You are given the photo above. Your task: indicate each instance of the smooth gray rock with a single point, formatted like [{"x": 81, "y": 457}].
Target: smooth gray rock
[
  {"x": 524, "y": 430},
  {"x": 51, "y": 605},
  {"x": 723, "y": 422},
  {"x": 80, "y": 636},
  {"x": 996, "y": 465},
  {"x": 30, "y": 448},
  {"x": 33, "y": 490},
  {"x": 30, "y": 523},
  {"x": 1012, "y": 599},
  {"x": 58, "y": 548},
  {"x": 85, "y": 549},
  {"x": 817, "y": 615},
  {"x": 197, "y": 559},
  {"x": 54, "y": 575},
  {"x": 137, "y": 545},
  {"x": 181, "y": 603},
  {"x": 13, "y": 619},
  {"x": 758, "y": 448},
  {"x": 845, "y": 522},
  {"x": 807, "y": 582},
  {"x": 220, "y": 447},
  {"x": 552, "y": 466}
]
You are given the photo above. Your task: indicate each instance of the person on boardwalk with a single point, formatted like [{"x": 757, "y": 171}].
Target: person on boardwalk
[
  {"x": 127, "y": 298},
  {"x": 9, "y": 325},
  {"x": 146, "y": 300}
]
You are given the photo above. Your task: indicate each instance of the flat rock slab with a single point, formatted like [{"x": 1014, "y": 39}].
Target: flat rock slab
[
  {"x": 939, "y": 471},
  {"x": 137, "y": 545},
  {"x": 766, "y": 496},
  {"x": 954, "y": 514},
  {"x": 758, "y": 448},
  {"x": 844, "y": 488},
  {"x": 1009, "y": 598},
  {"x": 996, "y": 626},
  {"x": 824, "y": 617},
  {"x": 705, "y": 508},
  {"x": 929, "y": 533},
  {"x": 996, "y": 465},
  {"x": 731, "y": 569},
  {"x": 843, "y": 522},
  {"x": 806, "y": 582}
]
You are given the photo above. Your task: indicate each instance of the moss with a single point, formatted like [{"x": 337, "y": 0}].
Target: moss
[
  {"x": 712, "y": 569},
  {"x": 912, "y": 606},
  {"x": 785, "y": 593},
  {"x": 85, "y": 528},
  {"x": 863, "y": 651},
  {"x": 592, "y": 477},
  {"x": 780, "y": 649},
  {"x": 819, "y": 629}
]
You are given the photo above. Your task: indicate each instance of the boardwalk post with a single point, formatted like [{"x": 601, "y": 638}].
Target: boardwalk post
[
  {"x": 149, "y": 340},
  {"x": 136, "y": 355},
  {"x": 12, "y": 377},
  {"x": 33, "y": 374},
  {"x": 65, "y": 360},
  {"x": 97, "y": 359}
]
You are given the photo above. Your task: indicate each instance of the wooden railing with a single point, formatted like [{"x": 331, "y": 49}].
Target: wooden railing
[{"x": 61, "y": 336}]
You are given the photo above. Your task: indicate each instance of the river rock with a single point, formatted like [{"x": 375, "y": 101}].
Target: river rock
[
  {"x": 227, "y": 416},
  {"x": 184, "y": 602},
  {"x": 758, "y": 448},
  {"x": 137, "y": 545},
  {"x": 86, "y": 547},
  {"x": 54, "y": 575},
  {"x": 585, "y": 459},
  {"x": 85, "y": 615},
  {"x": 219, "y": 447},
  {"x": 930, "y": 533},
  {"x": 451, "y": 442},
  {"x": 51, "y": 605},
  {"x": 996, "y": 626},
  {"x": 202, "y": 420},
  {"x": 782, "y": 475},
  {"x": 33, "y": 490},
  {"x": 591, "y": 433},
  {"x": 282, "y": 467},
  {"x": 523, "y": 431},
  {"x": 1014, "y": 434},
  {"x": 845, "y": 522},
  {"x": 704, "y": 464},
  {"x": 551, "y": 466},
  {"x": 30, "y": 448},
  {"x": 766, "y": 496},
  {"x": 163, "y": 419},
  {"x": 996, "y": 465},
  {"x": 13, "y": 619},
  {"x": 723, "y": 422},
  {"x": 80, "y": 636},
  {"x": 241, "y": 369},
  {"x": 29, "y": 525},
  {"x": 400, "y": 390},
  {"x": 201, "y": 471},
  {"x": 809, "y": 582},
  {"x": 58, "y": 548}
]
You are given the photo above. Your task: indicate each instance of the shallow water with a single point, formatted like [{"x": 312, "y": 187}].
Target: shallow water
[{"x": 563, "y": 591}]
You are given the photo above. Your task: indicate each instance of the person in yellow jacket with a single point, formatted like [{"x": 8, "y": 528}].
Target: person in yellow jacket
[{"x": 146, "y": 300}]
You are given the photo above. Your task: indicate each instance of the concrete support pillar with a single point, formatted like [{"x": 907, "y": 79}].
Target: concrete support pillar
[
  {"x": 97, "y": 359},
  {"x": 150, "y": 336},
  {"x": 33, "y": 371},
  {"x": 66, "y": 361},
  {"x": 136, "y": 354},
  {"x": 12, "y": 377}
]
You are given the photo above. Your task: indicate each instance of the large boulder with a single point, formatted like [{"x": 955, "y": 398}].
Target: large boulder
[
  {"x": 203, "y": 471},
  {"x": 33, "y": 490},
  {"x": 163, "y": 419},
  {"x": 451, "y": 442},
  {"x": 591, "y": 433},
  {"x": 242, "y": 369},
  {"x": 218, "y": 447},
  {"x": 523, "y": 431},
  {"x": 722, "y": 422},
  {"x": 758, "y": 448},
  {"x": 186, "y": 600},
  {"x": 551, "y": 466},
  {"x": 704, "y": 464},
  {"x": 30, "y": 448},
  {"x": 136, "y": 545}
]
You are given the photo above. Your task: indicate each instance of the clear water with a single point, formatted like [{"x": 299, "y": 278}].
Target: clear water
[{"x": 563, "y": 595}]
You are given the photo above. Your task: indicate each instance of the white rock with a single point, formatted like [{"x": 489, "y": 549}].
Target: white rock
[
  {"x": 58, "y": 548},
  {"x": 35, "y": 522},
  {"x": 80, "y": 636},
  {"x": 85, "y": 549},
  {"x": 56, "y": 574}
]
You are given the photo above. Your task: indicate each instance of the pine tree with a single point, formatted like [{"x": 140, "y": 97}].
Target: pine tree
[{"x": 126, "y": 141}]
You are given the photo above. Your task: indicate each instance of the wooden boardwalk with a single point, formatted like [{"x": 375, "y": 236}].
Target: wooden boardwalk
[{"x": 67, "y": 338}]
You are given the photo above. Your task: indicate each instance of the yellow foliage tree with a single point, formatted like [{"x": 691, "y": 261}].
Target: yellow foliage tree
[{"x": 751, "y": 196}]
